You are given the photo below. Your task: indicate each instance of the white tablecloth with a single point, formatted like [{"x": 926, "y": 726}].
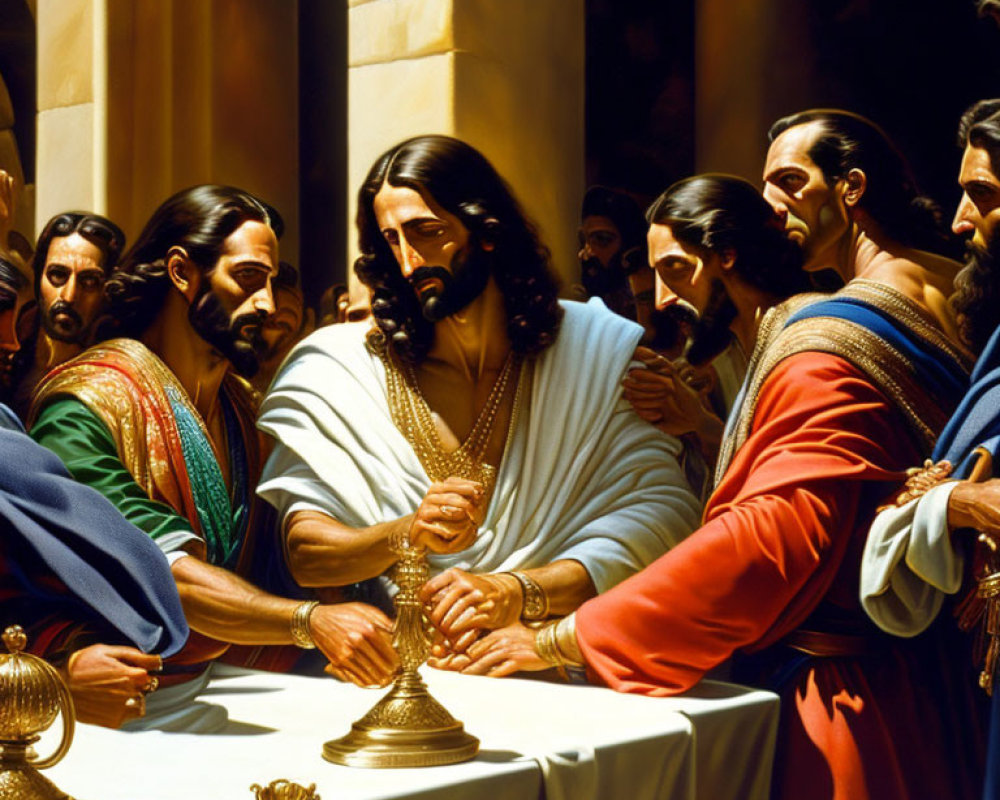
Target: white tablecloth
[{"x": 581, "y": 742}]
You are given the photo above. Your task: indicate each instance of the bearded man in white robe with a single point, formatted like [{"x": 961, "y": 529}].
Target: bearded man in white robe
[{"x": 479, "y": 417}]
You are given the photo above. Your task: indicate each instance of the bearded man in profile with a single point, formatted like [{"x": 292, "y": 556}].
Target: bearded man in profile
[{"x": 162, "y": 423}]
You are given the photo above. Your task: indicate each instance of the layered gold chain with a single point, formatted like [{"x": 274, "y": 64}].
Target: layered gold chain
[{"x": 413, "y": 417}]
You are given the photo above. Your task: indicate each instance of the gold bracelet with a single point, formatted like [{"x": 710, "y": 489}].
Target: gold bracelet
[
  {"x": 566, "y": 644},
  {"x": 301, "y": 635},
  {"x": 536, "y": 602},
  {"x": 545, "y": 644}
]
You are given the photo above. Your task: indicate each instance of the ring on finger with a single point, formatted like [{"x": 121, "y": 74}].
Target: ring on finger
[
  {"x": 449, "y": 510},
  {"x": 135, "y": 702}
]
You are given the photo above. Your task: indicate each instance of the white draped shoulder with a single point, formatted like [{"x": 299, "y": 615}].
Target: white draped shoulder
[{"x": 584, "y": 477}]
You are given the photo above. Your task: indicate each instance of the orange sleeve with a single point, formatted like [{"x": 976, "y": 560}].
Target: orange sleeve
[{"x": 825, "y": 444}]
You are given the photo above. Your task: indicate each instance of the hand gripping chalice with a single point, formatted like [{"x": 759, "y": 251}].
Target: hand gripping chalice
[{"x": 407, "y": 727}]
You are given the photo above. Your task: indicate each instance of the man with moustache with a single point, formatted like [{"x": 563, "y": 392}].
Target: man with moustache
[
  {"x": 74, "y": 255},
  {"x": 611, "y": 229},
  {"x": 836, "y": 404},
  {"x": 94, "y": 595},
  {"x": 161, "y": 422},
  {"x": 479, "y": 417},
  {"x": 925, "y": 547}
]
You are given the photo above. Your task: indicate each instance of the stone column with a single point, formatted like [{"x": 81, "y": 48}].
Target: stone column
[
  {"x": 753, "y": 64},
  {"x": 139, "y": 99},
  {"x": 69, "y": 111},
  {"x": 507, "y": 77}
]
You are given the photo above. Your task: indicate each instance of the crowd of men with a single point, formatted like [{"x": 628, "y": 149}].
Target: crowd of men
[{"x": 709, "y": 465}]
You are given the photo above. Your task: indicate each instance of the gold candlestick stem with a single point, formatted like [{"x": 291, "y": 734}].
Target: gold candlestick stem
[{"x": 407, "y": 727}]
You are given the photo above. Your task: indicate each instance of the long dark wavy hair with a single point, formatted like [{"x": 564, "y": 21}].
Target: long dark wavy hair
[
  {"x": 892, "y": 198},
  {"x": 99, "y": 231},
  {"x": 976, "y": 300},
  {"x": 717, "y": 213},
  {"x": 197, "y": 219},
  {"x": 460, "y": 180}
]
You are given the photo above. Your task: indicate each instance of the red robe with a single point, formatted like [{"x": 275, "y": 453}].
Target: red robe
[{"x": 781, "y": 547}]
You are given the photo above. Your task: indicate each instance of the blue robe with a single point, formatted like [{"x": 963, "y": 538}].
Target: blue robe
[
  {"x": 976, "y": 424},
  {"x": 68, "y": 553}
]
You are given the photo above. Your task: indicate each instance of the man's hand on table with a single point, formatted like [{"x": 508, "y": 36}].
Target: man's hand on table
[
  {"x": 109, "y": 683},
  {"x": 498, "y": 653},
  {"x": 357, "y": 640},
  {"x": 448, "y": 517},
  {"x": 460, "y": 604}
]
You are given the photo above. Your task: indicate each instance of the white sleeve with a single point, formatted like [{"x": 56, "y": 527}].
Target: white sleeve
[
  {"x": 177, "y": 544},
  {"x": 910, "y": 564}
]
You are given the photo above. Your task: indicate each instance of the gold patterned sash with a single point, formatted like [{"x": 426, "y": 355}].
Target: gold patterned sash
[{"x": 924, "y": 411}]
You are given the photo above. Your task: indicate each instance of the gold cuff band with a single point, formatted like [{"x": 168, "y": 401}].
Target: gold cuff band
[
  {"x": 566, "y": 643},
  {"x": 301, "y": 635},
  {"x": 545, "y": 644},
  {"x": 535, "y": 604}
]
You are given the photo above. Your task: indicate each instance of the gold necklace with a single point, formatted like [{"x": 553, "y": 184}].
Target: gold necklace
[{"x": 413, "y": 417}]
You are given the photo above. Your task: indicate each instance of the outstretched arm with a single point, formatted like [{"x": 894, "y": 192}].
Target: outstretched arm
[{"x": 355, "y": 637}]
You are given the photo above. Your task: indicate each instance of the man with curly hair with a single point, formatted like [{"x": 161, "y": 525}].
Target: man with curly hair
[
  {"x": 479, "y": 417},
  {"x": 161, "y": 422}
]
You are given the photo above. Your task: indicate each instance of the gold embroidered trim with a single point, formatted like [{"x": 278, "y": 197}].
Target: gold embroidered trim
[{"x": 891, "y": 372}]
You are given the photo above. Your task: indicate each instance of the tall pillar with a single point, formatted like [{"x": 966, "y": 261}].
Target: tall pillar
[
  {"x": 505, "y": 77},
  {"x": 139, "y": 99},
  {"x": 744, "y": 80},
  {"x": 69, "y": 116}
]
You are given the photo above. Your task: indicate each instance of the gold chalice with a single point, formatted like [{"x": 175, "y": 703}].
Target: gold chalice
[
  {"x": 31, "y": 696},
  {"x": 407, "y": 727}
]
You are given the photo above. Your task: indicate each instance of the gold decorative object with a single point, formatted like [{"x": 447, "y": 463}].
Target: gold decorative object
[
  {"x": 415, "y": 420},
  {"x": 407, "y": 727},
  {"x": 284, "y": 790},
  {"x": 31, "y": 695}
]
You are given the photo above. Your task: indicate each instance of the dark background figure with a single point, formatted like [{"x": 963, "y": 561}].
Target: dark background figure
[
  {"x": 15, "y": 297},
  {"x": 611, "y": 230},
  {"x": 289, "y": 323}
]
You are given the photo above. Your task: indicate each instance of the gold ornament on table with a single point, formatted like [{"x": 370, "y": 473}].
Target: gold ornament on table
[
  {"x": 284, "y": 790},
  {"x": 407, "y": 727},
  {"x": 31, "y": 696}
]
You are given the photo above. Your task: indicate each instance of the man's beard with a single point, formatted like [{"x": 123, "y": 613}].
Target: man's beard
[
  {"x": 711, "y": 332},
  {"x": 598, "y": 279},
  {"x": 72, "y": 333},
  {"x": 242, "y": 348},
  {"x": 977, "y": 293},
  {"x": 669, "y": 326},
  {"x": 458, "y": 287}
]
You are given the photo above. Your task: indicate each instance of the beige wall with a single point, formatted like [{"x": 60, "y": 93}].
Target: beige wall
[
  {"x": 138, "y": 99},
  {"x": 743, "y": 83},
  {"x": 505, "y": 76}
]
